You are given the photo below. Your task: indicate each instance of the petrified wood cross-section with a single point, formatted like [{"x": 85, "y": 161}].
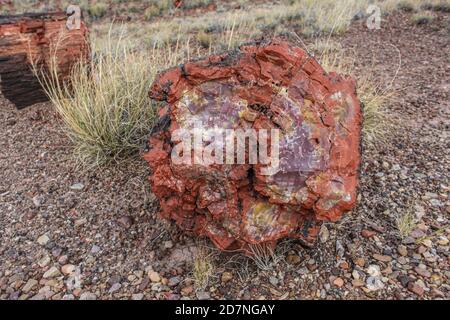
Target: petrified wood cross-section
[{"x": 265, "y": 85}]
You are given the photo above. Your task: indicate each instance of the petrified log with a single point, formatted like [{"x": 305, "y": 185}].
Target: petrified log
[
  {"x": 42, "y": 39},
  {"x": 266, "y": 85}
]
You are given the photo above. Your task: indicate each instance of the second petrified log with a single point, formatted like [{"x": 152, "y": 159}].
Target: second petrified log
[
  {"x": 266, "y": 85},
  {"x": 41, "y": 39}
]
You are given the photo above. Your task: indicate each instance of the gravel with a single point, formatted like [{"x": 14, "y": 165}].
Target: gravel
[{"x": 67, "y": 233}]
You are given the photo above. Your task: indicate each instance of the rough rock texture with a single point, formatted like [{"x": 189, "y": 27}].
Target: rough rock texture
[
  {"x": 37, "y": 38},
  {"x": 268, "y": 85}
]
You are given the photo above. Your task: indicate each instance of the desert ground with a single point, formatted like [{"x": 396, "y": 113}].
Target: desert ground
[{"x": 74, "y": 232}]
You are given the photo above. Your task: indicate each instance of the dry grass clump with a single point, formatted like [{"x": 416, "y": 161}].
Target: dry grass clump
[
  {"x": 157, "y": 8},
  {"x": 324, "y": 47},
  {"x": 265, "y": 256},
  {"x": 413, "y": 5},
  {"x": 105, "y": 107},
  {"x": 203, "y": 267},
  {"x": 151, "y": 12},
  {"x": 406, "y": 223},
  {"x": 193, "y": 4},
  {"x": 416, "y": 5},
  {"x": 422, "y": 18},
  {"x": 437, "y": 5},
  {"x": 204, "y": 39},
  {"x": 377, "y": 123},
  {"x": 328, "y": 17},
  {"x": 407, "y": 5},
  {"x": 97, "y": 10}
]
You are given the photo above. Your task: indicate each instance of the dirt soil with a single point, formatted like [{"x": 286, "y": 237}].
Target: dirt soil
[{"x": 67, "y": 233}]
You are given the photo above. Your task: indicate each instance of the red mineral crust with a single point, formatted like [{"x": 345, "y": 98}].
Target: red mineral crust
[{"x": 265, "y": 85}]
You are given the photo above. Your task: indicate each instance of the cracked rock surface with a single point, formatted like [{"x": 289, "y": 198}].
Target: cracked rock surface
[{"x": 264, "y": 86}]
